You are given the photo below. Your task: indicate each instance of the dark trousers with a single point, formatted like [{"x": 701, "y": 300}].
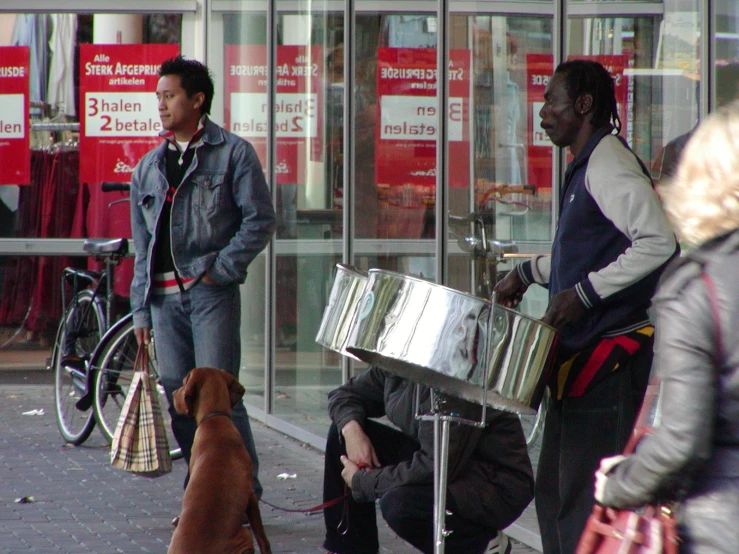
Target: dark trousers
[
  {"x": 579, "y": 432},
  {"x": 408, "y": 510}
]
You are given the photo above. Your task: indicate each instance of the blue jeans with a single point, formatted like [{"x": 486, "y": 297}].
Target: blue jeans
[{"x": 200, "y": 327}]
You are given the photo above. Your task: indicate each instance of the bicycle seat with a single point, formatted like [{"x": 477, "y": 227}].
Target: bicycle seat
[{"x": 106, "y": 246}]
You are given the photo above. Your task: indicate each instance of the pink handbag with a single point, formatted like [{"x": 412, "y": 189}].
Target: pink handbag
[{"x": 652, "y": 530}]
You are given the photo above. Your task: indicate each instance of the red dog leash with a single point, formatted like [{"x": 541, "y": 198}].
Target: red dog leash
[
  {"x": 343, "y": 526},
  {"x": 318, "y": 508}
]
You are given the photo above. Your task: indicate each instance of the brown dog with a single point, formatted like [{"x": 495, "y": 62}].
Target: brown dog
[{"x": 219, "y": 494}]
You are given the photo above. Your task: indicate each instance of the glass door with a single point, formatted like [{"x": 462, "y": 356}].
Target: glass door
[
  {"x": 292, "y": 79},
  {"x": 501, "y": 212},
  {"x": 85, "y": 113}
]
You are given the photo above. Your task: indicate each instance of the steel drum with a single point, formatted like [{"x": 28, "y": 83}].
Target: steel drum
[
  {"x": 339, "y": 313},
  {"x": 446, "y": 339}
]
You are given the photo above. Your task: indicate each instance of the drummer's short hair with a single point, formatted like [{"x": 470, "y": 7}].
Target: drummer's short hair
[{"x": 702, "y": 200}]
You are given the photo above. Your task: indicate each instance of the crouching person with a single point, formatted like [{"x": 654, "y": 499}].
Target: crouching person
[{"x": 490, "y": 480}]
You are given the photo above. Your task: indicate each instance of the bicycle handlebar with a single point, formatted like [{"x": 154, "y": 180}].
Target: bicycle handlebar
[
  {"x": 484, "y": 215},
  {"x": 111, "y": 186}
]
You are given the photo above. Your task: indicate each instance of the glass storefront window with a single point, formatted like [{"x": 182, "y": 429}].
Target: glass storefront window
[
  {"x": 726, "y": 48},
  {"x": 60, "y": 197},
  {"x": 503, "y": 212},
  {"x": 239, "y": 63},
  {"x": 655, "y": 61},
  {"x": 395, "y": 136},
  {"x": 308, "y": 191}
]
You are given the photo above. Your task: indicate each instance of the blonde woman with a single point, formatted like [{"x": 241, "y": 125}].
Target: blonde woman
[{"x": 694, "y": 453}]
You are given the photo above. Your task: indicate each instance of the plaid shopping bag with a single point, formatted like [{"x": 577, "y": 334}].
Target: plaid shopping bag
[{"x": 140, "y": 440}]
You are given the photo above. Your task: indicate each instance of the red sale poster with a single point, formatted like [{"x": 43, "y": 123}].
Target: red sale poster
[
  {"x": 298, "y": 105},
  {"x": 407, "y": 134},
  {"x": 120, "y": 119},
  {"x": 15, "y": 151},
  {"x": 539, "y": 69}
]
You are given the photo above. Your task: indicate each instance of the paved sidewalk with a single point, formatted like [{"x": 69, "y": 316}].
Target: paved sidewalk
[{"x": 81, "y": 504}]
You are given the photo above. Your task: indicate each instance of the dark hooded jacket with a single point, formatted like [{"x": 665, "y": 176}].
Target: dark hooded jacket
[{"x": 489, "y": 475}]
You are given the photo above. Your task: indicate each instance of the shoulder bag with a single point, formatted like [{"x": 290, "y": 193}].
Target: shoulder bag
[{"x": 140, "y": 440}]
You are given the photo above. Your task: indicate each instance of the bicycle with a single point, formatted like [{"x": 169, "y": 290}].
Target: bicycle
[{"x": 88, "y": 357}]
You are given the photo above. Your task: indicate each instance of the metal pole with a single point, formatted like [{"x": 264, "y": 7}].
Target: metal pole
[
  {"x": 441, "y": 465},
  {"x": 438, "y": 523},
  {"x": 441, "y": 460},
  {"x": 442, "y": 143}
]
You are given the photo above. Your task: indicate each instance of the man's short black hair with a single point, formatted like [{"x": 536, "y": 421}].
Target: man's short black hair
[
  {"x": 194, "y": 77},
  {"x": 590, "y": 77}
]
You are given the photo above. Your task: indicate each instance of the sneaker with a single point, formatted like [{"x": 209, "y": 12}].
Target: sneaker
[{"x": 499, "y": 545}]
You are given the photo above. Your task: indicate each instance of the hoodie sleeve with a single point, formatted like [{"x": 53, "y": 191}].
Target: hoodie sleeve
[
  {"x": 369, "y": 485},
  {"x": 359, "y": 398}
]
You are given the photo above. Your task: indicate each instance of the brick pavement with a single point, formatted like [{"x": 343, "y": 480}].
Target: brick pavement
[{"x": 82, "y": 505}]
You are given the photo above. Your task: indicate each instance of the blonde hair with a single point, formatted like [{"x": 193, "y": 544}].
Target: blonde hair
[{"x": 702, "y": 200}]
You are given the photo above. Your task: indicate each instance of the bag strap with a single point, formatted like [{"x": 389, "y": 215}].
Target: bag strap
[
  {"x": 640, "y": 427},
  {"x": 713, "y": 299},
  {"x": 141, "y": 363}
]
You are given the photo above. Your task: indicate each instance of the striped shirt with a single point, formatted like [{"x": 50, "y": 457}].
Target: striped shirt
[{"x": 166, "y": 283}]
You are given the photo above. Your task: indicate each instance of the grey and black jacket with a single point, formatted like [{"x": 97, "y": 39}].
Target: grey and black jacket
[
  {"x": 490, "y": 475},
  {"x": 695, "y": 449}
]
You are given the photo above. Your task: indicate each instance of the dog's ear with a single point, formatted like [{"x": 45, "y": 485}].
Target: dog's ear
[
  {"x": 188, "y": 394},
  {"x": 235, "y": 391}
]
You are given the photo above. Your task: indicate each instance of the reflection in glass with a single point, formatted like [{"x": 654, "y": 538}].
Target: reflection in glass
[
  {"x": 53, "y": 203},
  {"x": 654, "y": 61},
  {"x": 308, "y": 191},
  {"x": 505, "y": 208},
  {"x": 726, "y": 47}
]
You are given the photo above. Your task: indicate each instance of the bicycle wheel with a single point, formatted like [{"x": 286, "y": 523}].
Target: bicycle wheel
[
  {"x": 79, "y": 332},
  {"x": 113, "y": 365}
]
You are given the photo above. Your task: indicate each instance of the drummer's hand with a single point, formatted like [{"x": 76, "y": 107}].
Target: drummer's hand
[
  {"x": 359, "y": 448},
  {"x": 510, "y": 290},
  {"x": 565, "y": 307}
]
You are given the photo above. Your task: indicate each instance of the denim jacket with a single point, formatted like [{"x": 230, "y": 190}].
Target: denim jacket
[{"x": 222, "y": 214}]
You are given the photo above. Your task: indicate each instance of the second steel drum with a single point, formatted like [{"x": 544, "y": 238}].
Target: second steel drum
[
  {"x": 339, "y": 313},
  {"x": 444, "y": 338}
]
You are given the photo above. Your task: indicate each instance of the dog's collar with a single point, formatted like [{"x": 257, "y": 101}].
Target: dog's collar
[{"x": 214, "y": 414}]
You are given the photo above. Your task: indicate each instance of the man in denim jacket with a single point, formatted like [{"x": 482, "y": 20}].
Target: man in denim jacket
[{"x": 200, "y": 213}]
